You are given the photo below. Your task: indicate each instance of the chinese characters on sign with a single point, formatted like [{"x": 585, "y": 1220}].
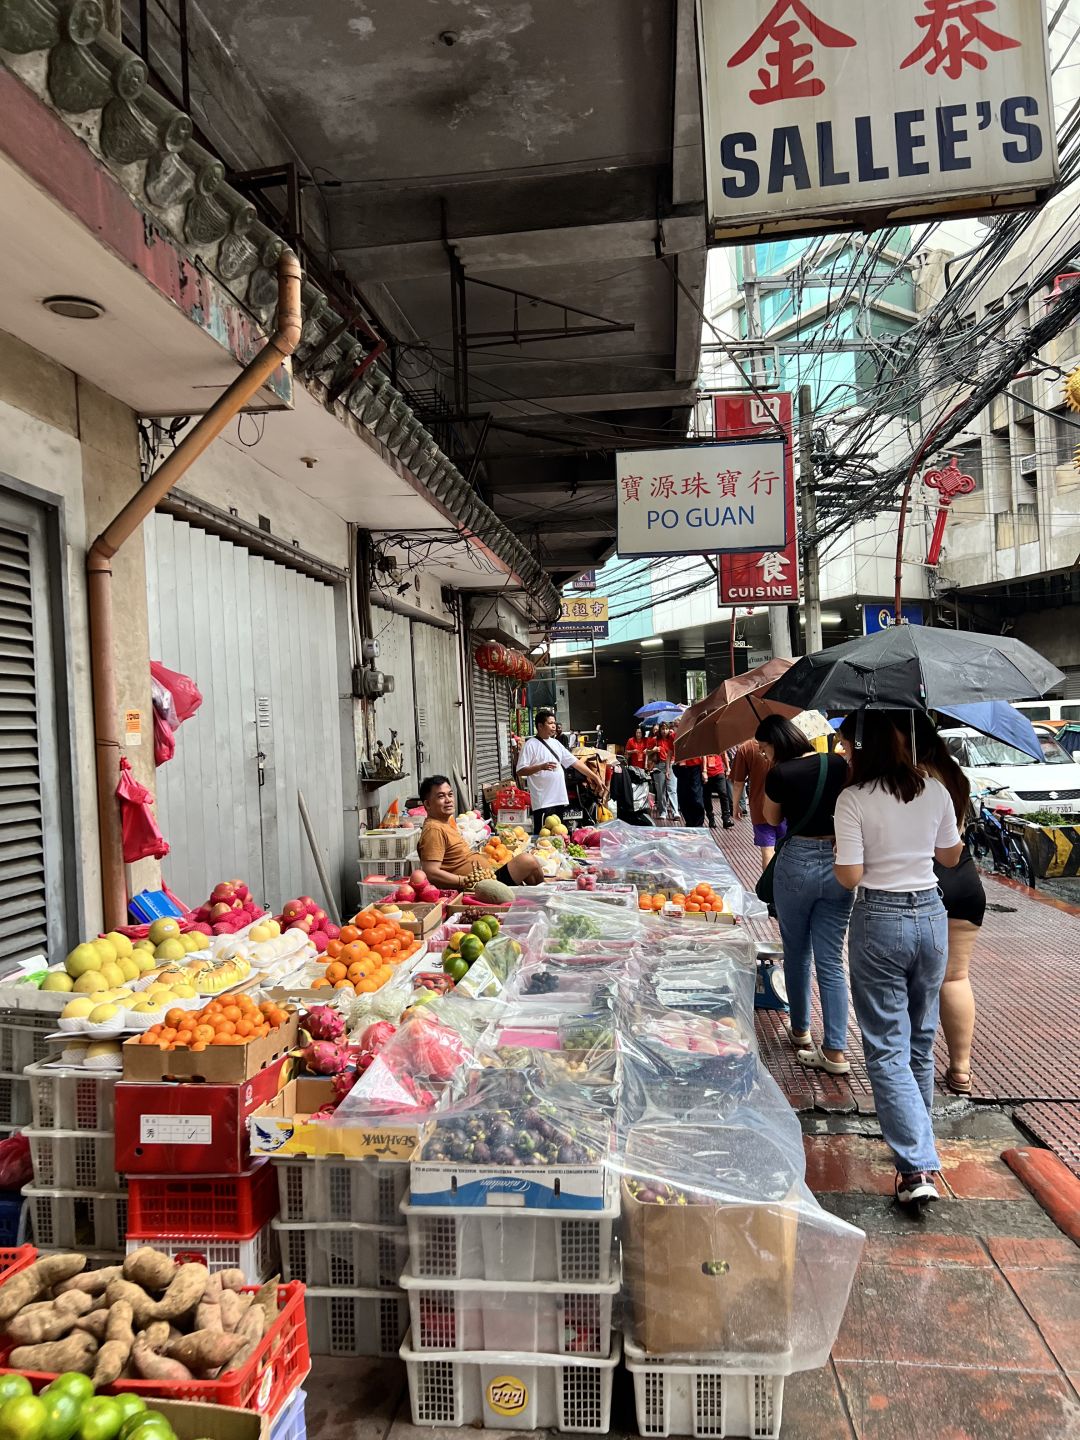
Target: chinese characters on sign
[
  {"x": 768, "y": 576},
  {"x": 793, "y": 127},
  {"x": 703, "y": 499},
  {"x": 582, "y": 618}
]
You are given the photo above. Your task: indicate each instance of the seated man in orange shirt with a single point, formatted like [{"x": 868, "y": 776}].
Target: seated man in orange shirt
[{"x": 447, "y": 860}]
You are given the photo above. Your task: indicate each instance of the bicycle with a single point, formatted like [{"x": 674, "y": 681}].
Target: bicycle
[{"x": 987, "y": 834}]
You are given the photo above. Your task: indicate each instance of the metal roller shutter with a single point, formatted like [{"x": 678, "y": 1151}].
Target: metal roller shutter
[
  {"x": 396, "y": 712},
  {"x": 437, "y": 692},
  {"x": 491, "y": 727}
]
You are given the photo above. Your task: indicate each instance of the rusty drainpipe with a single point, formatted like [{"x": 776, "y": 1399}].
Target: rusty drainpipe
[{"x": 99, "y": 575}]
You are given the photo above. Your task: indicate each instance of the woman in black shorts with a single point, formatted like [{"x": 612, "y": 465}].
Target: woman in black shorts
[{"x": 965, "y": 904}]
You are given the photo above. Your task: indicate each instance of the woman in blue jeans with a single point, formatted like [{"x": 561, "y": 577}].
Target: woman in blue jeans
[
  {"x": 812, "y": 907},
  {"x": 891, "y": 825}
]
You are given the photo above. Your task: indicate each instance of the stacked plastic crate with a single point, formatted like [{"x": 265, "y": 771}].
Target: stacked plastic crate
[
  {"x": 511, "y": 1314},
  {"x": 223, "y": 1220},
  {"x": 341, "y": 1232},
  {"x": 390, "y": 856},
  {"x": 22, "y": 1043},
  {"x": 77, "y": 1200}
]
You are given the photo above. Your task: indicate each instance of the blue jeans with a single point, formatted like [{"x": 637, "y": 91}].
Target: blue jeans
[
  {"x": 897, "y": 950},
  {"x": 813, "y": 908}
]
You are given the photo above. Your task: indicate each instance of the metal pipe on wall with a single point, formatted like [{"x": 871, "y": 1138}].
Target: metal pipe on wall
[{"x": 279, "y": 347}]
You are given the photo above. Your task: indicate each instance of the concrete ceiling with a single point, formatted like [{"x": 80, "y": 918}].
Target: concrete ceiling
[{"x": 551, "y": 147}]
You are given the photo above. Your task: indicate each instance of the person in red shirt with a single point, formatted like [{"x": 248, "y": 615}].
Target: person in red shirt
[
  {"x": 661, "y": 754},
  {"x": 636, "y": 747},
  {"x": 717, "y": 787}
]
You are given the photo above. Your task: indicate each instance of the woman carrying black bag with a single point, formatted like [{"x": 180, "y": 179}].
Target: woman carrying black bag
[{"x": 812, "y": 907}]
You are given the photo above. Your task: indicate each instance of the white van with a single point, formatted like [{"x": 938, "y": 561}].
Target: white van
[
  {"x": 1048, "y": 709},
  {"x": 1014, "y": 778}
]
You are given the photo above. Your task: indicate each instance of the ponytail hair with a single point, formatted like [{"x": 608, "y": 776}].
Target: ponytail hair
[
  {"x": 881, "y": 755},
  {"x": 932, "y": 754}
]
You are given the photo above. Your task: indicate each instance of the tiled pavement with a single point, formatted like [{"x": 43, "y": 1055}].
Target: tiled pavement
[{"x": 964, "y": 1325}]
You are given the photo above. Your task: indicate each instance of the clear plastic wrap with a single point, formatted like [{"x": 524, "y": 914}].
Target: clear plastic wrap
[{"x": 672, "y": 860}]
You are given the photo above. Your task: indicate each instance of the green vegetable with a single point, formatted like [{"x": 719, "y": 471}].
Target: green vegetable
[{"x": 23, "y": 1418}]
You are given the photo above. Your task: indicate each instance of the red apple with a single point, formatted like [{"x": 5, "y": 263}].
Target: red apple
[
  {"x": 429, "y": 895},
  {"x": 223, "y": 893},
  {"x": 308, "y": 903},
  {"x": 319, "y": 938},
  {"x": 219, "y": 911},
  {"x": 292, "y": 910},
  {"x": 320, "y": 917},
  {"x": 418, "y": 879},
  {"x": 332, "y": 931},
  {"x": 405, "y": 895}
]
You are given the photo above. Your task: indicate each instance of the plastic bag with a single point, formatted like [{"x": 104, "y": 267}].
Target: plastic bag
[
  {"x": 16, "y": 1166},
  {"x": 672, "y": 860},
  {"x": 186, "y": 695},
  {"x": 164, "y": 739},
  {"x": 141, "y": 837}
]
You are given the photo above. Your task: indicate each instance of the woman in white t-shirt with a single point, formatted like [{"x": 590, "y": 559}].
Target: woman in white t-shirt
[{"x": 891, "y": 824}]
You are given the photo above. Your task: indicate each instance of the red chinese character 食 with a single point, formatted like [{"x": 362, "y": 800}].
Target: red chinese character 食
[
  {"x": 631, "y": 486},
  {"x": 695, "y": 485},
  {"x": 663, "y": 487},
  {"x": 793, "y": 77},
  {"x": 729, "y": 481},
  {"x": 952, "y": 29}
]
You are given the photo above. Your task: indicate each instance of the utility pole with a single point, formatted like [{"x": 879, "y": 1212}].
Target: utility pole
[
  {"x": 811, "y": 585},
  {"x": 779, "y": 630}
]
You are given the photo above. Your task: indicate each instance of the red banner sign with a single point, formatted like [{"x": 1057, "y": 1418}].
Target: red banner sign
[{"x": 762, "y": 577}]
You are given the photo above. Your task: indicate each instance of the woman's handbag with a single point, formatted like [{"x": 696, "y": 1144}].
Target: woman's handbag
[{"x": 765, "y": 885}]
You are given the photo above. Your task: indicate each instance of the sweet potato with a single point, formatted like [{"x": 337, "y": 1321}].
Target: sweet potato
[
  {"x": 142, "y": 1305},
  {"x": 30, "y": 1284},
  {"x": 208, "y": 1315},
  {"x": 232, "y": 1308},
  {"x": 232, "y": 1279},
  {"x": 96, "y": 1324},
  {"x": 156, "y": 1335},
  {"x": 184, "y": 1293},
  {"x": 212, "y": 1293},
  {"x": 93, "y": 1282},
  {"x": 150, "y": 1268},
  {"x": 58, "y": 1356},
  {"x": 119, "y": 1338},
  {"x": 205, "y": 1351},
  {"x": 266, "y": 1298},
  {"x": 251, "y": 1330},
  {"x": 152, "y": 1366},
  {"x": 33, "y": 1327}
]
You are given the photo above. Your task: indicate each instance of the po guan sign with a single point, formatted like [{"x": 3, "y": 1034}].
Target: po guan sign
[{"x": 822, "y": 113}]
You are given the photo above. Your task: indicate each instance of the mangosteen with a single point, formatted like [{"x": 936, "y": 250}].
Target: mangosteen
[
  {"x": 503, "y": 1155},
  {"x": 567, "y": 1154},
  {"x": 545, "y": 1130},
  {"x": 501, "y": 1133},
  {"x": 481, "y": 1153},
  {"x": 524, "y": 1142},
  {"x": 537, "y": 1159},
  {"x": 532, "y": 1119},
  {"x": 459, "y": 1150}
]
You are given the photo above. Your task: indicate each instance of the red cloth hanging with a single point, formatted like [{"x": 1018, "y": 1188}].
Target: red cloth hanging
[{"x": 142, "y": 838}]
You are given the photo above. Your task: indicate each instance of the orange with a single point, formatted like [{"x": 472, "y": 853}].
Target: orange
[
  {"x": 232, "y": 1012},
  {"x": 349, "y": 933},
  {"x": 204, "y": 1033},
  {"x": 199, "y": 1045},
  {"x": 334, "y": 948},
  {"x": 336, "y": 971},
  {"x": 678, "y": 899},
  {"x": 344, "y": 985},
  {"x": 366, "y": 920},
  {"x": 693, "y": 908}
]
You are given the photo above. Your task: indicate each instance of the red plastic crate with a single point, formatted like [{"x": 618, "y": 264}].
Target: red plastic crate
[
  {"x": 232, "y": 1207},
  {"x": 15, "y": 1259},
  {"x": 262, "y": 1384}
]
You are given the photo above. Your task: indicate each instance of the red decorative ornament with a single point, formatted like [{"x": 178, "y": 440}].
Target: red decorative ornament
[
  {"x": 950, "y": 483},
  {"x": 490, "y": 656}
]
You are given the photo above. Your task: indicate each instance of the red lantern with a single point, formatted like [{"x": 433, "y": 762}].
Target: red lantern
[{"x": 490, "y": 656}]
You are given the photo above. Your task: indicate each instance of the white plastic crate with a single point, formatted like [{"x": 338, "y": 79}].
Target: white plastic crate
[
  {"x": 534, "y": 1316},
  {"x": 14, "y": 1102},
  {"x": 74, "y": 1160},
  {"x": 314, "y": 1188},
  {"x": 342, "y": 1255},
  {"x": 67, "y": 1099},
  {"x": 73, "y": 1219},
  {"x": 692, "y": 1397},
  {"x": 511, "y": 1391},
  {"x": 388, "y": 845},
  {"x": 24, "y": 1044},
  {"x": 463, "y": 1243},
  {"x": 355, "y": 1322},
  {"x": 257, "y": 1257}
]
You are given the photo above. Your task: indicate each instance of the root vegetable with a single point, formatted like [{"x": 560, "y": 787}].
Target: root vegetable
[
  {"x": 119, "y": 1338},
  {"x": 266, "y": 1300},
  {"x": 152, "y": 1366},
  {"x": 94, "y": 1282},
  {"x": 208, "y": 1316},
  {"x": 76, "y": 1352},
  {"x": 205, "y": 1351},
  {"x": 157, "y": 1335},
  {"x": 33, "y": 1327},
  {"x": 96, "y": 1324},
  {"x": 143, "y": 1307},
  {"x": 212, "y": 1293},
  {"x": 184, "y": 1293},
  {"x": 252, "y": 1328},
  {"x": 232, "y": 1279},
  {"x": 30, "y": 1284},
  {"x": 231, "y": 1309},
  {"x": 150, "y": 1268}
]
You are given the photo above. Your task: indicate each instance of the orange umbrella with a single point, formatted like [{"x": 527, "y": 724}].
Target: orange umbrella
[{"x": 731, "y": 713}]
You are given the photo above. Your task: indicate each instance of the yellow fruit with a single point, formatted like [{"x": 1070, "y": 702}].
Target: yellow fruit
[
  {"x": 164, "y": 929},
  {"x": 150, "y": 1006},
  {"x": 143, "y": 945},
  {"x": 128, "y": 968},
  {"x": 159, "y": 987},
  {"x": 169, "y": 949},
  {"x": 258, "y": 933},
  {"x": 90, "y": 982},
  {"x": 112, "y": 974},
  {"x": 57, "y": 980},
  {"x": 121, "y": 997},
  {"x": 274, "y": 928},
  {"x": 144, "y": 959},
  {"x": 82, "y": 959},
  {"x": 120, "y": 943},
  {"x": 101, "y": 1013},
  {"x": 105, "y": 950},
  {"x": 98, "y": 1048},
  {"x": 77, "y": 1009},
  {"x": 184, "y": 992}
]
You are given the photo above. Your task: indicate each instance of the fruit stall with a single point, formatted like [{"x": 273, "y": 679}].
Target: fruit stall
[{"x": 502, "y": 1139}]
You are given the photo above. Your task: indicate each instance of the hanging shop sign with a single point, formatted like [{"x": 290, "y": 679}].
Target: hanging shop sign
[
  {"x": 769, "y": 576},
  {"x": 582, "y": 619},
  {"x": 820, "y": 114},
  {"x": 702, "y": 499},
  {"x": 882, "y": 617},
  {"x": 585, "y": 581}
]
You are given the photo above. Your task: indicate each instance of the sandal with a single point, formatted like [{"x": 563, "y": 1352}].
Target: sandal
[
  {"x": 958, "y": 1081},
  {"x": 816, "y": 1059},
  {"x": 800, "y": 1039}
]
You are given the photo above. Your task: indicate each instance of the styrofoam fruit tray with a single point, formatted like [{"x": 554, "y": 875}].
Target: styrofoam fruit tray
[{"x": 511, "y": 1391}]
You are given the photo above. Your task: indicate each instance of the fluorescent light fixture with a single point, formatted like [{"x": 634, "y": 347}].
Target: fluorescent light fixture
[
  {"x": 653, "y": 644},
  {"x": 829, "y": 619}
]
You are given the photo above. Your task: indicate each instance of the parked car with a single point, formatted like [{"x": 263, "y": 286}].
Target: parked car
[{"x": 1027, "y": 784}]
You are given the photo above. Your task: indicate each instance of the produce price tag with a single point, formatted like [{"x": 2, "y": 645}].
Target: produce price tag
[{"x": 175, "y": 1129}]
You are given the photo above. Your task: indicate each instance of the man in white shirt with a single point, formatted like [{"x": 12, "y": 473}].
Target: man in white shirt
[{"x": 542, "y": 763}]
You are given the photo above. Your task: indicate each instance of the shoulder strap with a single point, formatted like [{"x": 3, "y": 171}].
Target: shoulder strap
[{"x": 819, "y": 790}]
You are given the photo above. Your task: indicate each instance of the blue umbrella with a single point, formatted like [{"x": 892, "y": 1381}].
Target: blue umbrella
[
  {"x": 659, "y": 710},
  {"x": 1000, "y": 721}
]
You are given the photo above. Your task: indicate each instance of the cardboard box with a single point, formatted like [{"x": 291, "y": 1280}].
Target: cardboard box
[
  {"x": 195, "y": 1129},
  {"x": 283, "y": 1126},
  {"x": 428, "y": 918},
  {"x": 709, "y": 1279},
  {"x": 541, "y": 1187},
  {"x": 192, "y": 1420},
  {"x": 216, "y": 1065}
]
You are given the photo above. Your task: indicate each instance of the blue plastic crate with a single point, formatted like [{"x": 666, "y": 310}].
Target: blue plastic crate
[
  {"x": 11, "y": 1208},
  {"x": 290, "y": 1422}
]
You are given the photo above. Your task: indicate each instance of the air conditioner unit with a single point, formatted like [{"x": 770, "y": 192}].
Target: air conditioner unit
[{"x": 1029, "y": 464}]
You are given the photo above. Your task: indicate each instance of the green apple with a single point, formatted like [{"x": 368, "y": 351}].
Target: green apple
[{"x": 82, "y": 959}]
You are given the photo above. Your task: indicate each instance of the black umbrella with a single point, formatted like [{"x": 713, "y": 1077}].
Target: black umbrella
[{"x": 914, "y": 667}]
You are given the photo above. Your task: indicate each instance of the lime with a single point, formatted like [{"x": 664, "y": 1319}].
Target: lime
[
  {"x": 493, "y": 925},
  {"x": 131, "y": 1405},
  {"x": 482, "y": 930},
  {"x": 64, "y": 1410},
  {"x": 471, "y": 948},
  {"x": 101, "y": 1419},
  {"x": 72, "y": 1383},
  {"x": 12, "y": 1385},
  {"x": 23, "y": 1418},
  {"x": 149, "y": 1425},
  {"x": 458, "y": 969}
]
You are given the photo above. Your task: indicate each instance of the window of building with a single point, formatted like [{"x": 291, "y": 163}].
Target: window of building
[
  {"x": 695, "y": 686},
  {"x": 969, "y": 457},
  {"x": 1066, "y": 437}
]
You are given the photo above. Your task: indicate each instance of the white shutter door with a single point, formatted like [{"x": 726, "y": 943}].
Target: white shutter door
[{"x": 438, "y": 701}]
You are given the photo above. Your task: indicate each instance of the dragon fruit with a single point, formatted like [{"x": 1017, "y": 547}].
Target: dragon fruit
[
  {"x": 323, "y": 1057},
  {"x": 324, "y": 1023},
  {"x": 343, "y": 1083}
]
